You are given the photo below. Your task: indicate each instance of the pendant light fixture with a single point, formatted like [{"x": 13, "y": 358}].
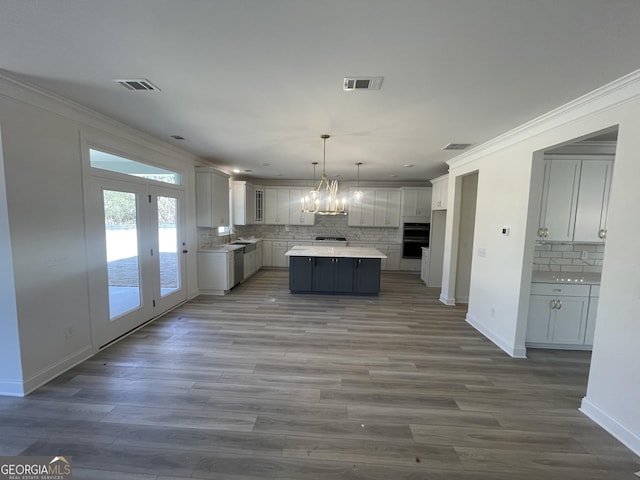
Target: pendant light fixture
[
  {"x": 325, "y": 199},
  {"x": 358, "y": 193}
]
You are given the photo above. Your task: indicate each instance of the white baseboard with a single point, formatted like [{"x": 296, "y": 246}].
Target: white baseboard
[
  {"x": 11, "y": 388},
  {"x": 515, "y": 351},
  {"x": 447, "y": 301},
  {"x": 630, "y": 439},
  {"x": 52, "y": 371}
]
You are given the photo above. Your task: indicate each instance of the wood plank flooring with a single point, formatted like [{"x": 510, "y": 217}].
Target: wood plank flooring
[{"x": 262, "y": 384}]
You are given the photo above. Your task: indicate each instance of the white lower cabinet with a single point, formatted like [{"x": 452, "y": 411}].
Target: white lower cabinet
[
  {"x": 594, "y": 298},
  {"x": 278, "y": 254},
  {"x": 215, "y": 272},
  {"x": 259, "y": 255},
  {"x": 424, "y": 265},
  {"x": 273, "y": 253},
  {"x": 560, "y": 316},
  {"x": 392, "y": 262},
  {"x": 249, "y": 264},
  {"x": 267, "y": 253}
]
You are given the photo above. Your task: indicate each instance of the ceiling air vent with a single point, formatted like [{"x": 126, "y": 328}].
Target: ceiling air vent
[
  {"x": 362, "y": 83},
  {"x": 456, "y": 146},
  {"x": 138, "y": 84}
]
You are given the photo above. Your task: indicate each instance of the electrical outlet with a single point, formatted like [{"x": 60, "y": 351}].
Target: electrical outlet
[
  {"x": 584, "y": 255},
  {"x": 68, "y": 331}
]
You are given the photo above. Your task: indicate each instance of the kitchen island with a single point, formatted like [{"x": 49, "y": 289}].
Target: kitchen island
[{"x": 334, "y": 270}]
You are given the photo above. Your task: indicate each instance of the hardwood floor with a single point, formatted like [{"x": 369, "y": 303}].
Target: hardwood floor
[{"x": 264, "y": 384}]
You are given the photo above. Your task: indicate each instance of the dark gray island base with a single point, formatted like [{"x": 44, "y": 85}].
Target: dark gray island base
[{"x": 328, "y": 270}]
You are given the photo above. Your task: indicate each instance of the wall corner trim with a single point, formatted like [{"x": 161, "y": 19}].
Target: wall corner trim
[
  {"x": 447, "y": 301},
  {"x": 11, "y": 388},
  {"x": 513, "y": 351},
  {"x": 630, "y": 439}
]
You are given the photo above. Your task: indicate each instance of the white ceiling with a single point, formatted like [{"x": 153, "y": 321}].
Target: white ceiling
[{"x": 253, "y": 84}]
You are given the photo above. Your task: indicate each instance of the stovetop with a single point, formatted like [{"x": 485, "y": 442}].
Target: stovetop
[{"x": 333, "y": 239}]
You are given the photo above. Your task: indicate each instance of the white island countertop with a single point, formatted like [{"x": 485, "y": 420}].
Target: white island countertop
[{"x": 346, "y": 252}]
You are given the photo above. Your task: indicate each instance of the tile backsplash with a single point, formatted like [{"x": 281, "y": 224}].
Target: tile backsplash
[
  {"x": 329, "y": 226},
  {"x": 566, "y": 257}
]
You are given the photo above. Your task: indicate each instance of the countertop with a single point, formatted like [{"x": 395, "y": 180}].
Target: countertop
[
  {"x": 227, "y": 247},
  {"x": 566, "y": 277},
  {"x": 224, "y": 247},
  {"x": 347, "y": 252}
]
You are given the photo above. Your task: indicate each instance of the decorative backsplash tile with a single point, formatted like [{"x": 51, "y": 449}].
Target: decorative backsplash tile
[
  {"x": 328, "y": 226},
  {"x": 567, "y": 257}
]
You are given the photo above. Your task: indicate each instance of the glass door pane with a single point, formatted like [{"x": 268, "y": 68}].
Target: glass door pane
[
  {"x": 168, "y": 245},
  {"x": 123, "y": 261}
]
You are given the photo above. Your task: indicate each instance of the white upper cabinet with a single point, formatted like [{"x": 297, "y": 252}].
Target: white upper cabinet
[
  {"x": 593, "y": 201},
  {"x": 376, "y": 208},
  {"x": 276, "y": 211},
  {"x": 212, "y": 198},
  {"x": 439, "y": 193},
  {"x": 575, "y": 198},
  {"x": 361, "y": 211},
  {"x": 244, "y": 205},
  {"x": 559, "y": 199},
  {"x": 296, "y": 215},
  {"x": 416, "y": 203},
  {"x": 387, "y": 208}
]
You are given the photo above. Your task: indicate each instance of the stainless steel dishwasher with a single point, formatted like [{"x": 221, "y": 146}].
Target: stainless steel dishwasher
[{"x": 238, "y": 266}]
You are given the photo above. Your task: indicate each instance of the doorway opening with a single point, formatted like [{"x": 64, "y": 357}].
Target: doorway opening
[
  {"x": 570, "y": 189},
  {"x": 135, "y": 231}
]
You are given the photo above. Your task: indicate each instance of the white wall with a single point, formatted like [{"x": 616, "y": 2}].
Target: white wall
[
  {"x": 44, "y": 197},
  {"x": 10, "y": 363},
  {"x": 468, "y": 196},
  {"x": 500, "y": 281}
]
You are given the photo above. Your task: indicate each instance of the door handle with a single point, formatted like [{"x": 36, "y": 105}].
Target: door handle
[{"x": 185, "y": 251}]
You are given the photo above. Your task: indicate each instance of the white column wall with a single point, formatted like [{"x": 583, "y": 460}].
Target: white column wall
[
  {"x": 10, "y": 363},
  {"x": 500, "y": 281}
]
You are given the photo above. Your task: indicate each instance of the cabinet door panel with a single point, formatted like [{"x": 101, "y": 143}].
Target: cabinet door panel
[
  {"x": 279, "y": 259},
  {"x": 591, "y": 321},
  {"x": 300, "y": 272},
  {"x": 539, "y": 319},
  {"x": 361, "y": 211},
  {"x": 570, "y": 319},
  {"x": 343, "y": 275},
  {"x": 366, "y": 276},
  {"x": 560, "y": 194},
  {"x": 323, "y": 274},
  {"x": 593, "y": 201}
]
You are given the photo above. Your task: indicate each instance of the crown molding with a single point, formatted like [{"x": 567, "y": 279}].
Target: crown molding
[
  {"x": 19, "y": 89},
  {"x": 619, "y": 91}
]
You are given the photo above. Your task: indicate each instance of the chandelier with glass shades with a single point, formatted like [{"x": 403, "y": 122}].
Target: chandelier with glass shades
[{"x": 324, "y": 199}]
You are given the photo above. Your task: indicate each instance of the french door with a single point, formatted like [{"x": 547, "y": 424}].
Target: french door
[{"x": 136, "y": 254}]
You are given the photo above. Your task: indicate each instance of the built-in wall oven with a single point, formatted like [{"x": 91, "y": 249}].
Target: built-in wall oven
[{"x": 414, "y": 237}]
